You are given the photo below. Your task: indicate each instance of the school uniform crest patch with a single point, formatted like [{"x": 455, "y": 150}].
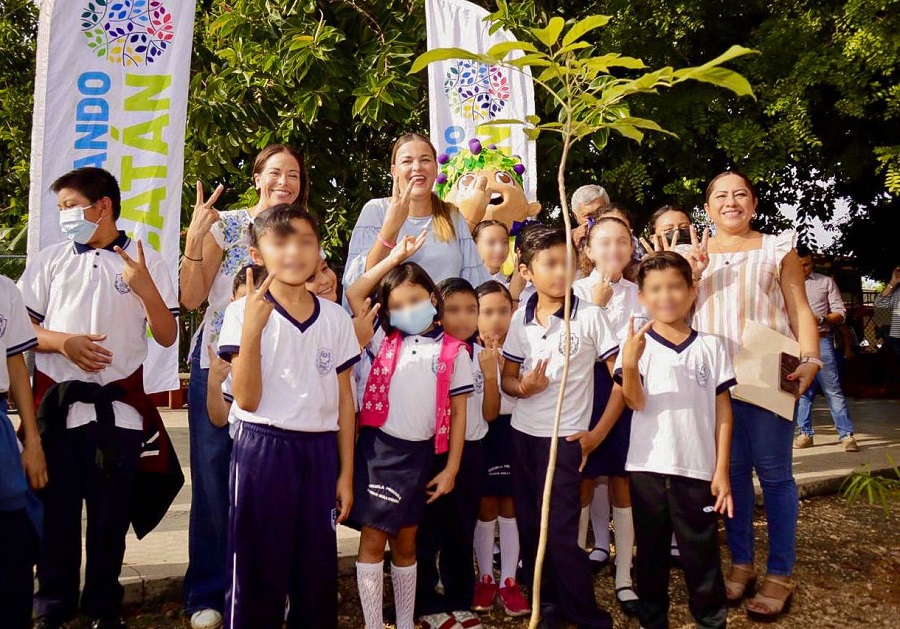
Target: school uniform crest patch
[
  {"x": 324, "y": 361},
  {"x": 437, "y": 366},
  {"x": 573, "y": 349},
  {"x": 479, "y": 382},
  {"x": 3, "y": 322},
  {"x": 121, "y": 285},
  {"x": 703, "y": 376}
]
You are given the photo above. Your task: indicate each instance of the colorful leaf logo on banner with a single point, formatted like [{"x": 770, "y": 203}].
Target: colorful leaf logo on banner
[
  {"x": 476, "y": 91},
  {"x": 132, "y": 33}
]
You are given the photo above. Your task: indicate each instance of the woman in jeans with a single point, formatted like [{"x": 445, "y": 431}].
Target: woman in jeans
[
  {"x": 742, "y": 276},
  {"x": 217, "y": 246}
]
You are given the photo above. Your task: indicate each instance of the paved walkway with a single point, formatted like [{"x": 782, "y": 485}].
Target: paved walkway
[{"x": 154, "y": 566}]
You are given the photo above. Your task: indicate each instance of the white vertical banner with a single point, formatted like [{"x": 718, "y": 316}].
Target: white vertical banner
[
  {"x": 464, "y": 94},
  {"x": 111, "y": 91}
]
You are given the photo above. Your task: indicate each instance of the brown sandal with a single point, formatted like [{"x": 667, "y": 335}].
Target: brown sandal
[
  {"x": 775, "y": 607},
  {"x": 736, "y": 591}
]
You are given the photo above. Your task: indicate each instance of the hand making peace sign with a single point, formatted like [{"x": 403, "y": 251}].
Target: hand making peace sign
[
  {"x": 136, "y": 274},
  {"x": 258, "y": 308},
  {"x": 535, "y": 380},
  {"x": 205, "y": 214},
  {"x": 634, "y": 345}
]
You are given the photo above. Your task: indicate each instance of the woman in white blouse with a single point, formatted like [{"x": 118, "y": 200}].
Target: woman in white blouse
[{"x": 744, "y": 275}]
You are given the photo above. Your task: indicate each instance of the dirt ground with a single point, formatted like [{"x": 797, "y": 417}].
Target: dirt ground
[{"x": 848, "y": 576}]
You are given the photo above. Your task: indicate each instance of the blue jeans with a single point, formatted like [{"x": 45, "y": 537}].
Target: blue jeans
[
  {"x": 206, "y": 577},
  {"x": 762, "y": 440},
  {"x": 829, "y": 381}
]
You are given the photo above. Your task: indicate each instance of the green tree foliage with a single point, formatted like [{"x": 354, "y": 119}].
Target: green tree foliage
[{"x": 331, "y": 76}]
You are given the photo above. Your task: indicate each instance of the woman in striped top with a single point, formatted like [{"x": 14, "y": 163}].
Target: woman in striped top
[{"x": 742, "y": 276}]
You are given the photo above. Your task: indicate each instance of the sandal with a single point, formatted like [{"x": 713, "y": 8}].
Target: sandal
[
  {"x": 736, "y": 591},
  {"x": 774, "y": 607}
]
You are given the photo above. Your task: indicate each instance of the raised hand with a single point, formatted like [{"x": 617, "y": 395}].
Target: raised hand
[
  {"x": 205, "y": 214},
  {"x": 489, "y": 357},
  {"x": 364, "y": 323},
  {"x": 398, "y": 209},
  {"x": 136, "y": 274},
  {"x": 698, "y": 254},
  {"x": 473, "y": 200},
  {"x": 602, "y": 291},
  {"x": 536, "y": 380},
  {"x": 634, "y": 345},
  {"x": 407, "y": 247},
  {"x": 84, "y": 351},
  {"x": 258, "y": 308}
]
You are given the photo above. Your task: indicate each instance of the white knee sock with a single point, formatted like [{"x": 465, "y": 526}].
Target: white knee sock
[
  {"x": 624, "y": 545},
  {"x": 484, "y": 547},
  {"x": 674, "y": 549},
  {"x": 404, "y": 580},
  {"x": 600, "y": 516},
  {"x": 509, "y": 548},
  {"x": 583, "y": 521},
  {"x": 370, "y": 581}
]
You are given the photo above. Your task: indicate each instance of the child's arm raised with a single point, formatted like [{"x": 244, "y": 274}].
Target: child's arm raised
[
  {"x": 246, "y": 364},
  {"x": 20, "y": 391},
  {"x": 721, "y": 486},
  {"x": 533, "y": 382},
  {"x": 346, "y": 437},
  {"x": 362, "y": 288},
  {"x": 216, "y": 405},
  {"x": 445, "y": 480},
  {"x": 632, "y": 350},
  {"x": 159, "y": 317}
]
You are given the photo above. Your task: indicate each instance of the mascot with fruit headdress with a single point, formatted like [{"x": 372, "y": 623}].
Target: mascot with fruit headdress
[{"x": 485, "y": 182}]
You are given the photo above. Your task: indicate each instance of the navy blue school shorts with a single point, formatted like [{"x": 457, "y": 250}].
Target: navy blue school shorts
[{"x": 609, "y": 457}]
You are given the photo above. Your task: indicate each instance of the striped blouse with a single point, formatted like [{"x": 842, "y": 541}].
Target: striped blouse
[{"x": 742, "y": 286}]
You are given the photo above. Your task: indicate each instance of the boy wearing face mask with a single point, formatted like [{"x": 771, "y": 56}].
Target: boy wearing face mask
[{"x": 91, "y": 300}]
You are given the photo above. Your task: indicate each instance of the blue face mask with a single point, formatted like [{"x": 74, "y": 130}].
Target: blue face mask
[
  {"x": 415, "y": 319},
  {"x": 75, "y": 226}
]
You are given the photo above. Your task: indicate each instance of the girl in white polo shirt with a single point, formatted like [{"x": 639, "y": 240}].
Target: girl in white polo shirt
[
  {"x": 413, "y": 406},
  {"x": 291, "y": 354},
  {"x": 609, "y": 247}
]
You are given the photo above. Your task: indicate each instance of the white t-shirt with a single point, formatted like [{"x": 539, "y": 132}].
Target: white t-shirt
[
  {"x": 413, "y": 391},
  {"x": 300, "y": 362},
  {"x": 77, "y": 289},
  {"x": 623, "y": 303},
  {"x": 676, "y": 432},
  {"x": 528, "y": 341},
  {"x": 476, "y": 426},
  {"x": 16, "y": 332}
]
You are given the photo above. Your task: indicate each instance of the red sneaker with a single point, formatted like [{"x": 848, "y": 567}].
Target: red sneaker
[
  {"x": 514, "y": 602},
  {"x": 485, "y": 593}
]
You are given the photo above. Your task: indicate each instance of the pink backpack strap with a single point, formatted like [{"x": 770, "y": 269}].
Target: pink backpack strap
[
  {"x": 375, "y": 403},
  {"x": 450, "y": 347}
]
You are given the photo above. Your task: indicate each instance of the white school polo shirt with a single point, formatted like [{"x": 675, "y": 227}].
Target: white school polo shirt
[
  {"x": 300, "y": 363},
  {"x": 623, "y": 303},
  {"x": 528, "y": 341},
  {"x": 16, "y": 332},
  {"x": 476, "y": 426},
  {"x": 413, "y": 389},
  {"x": 74, "y": 288},
  {"x": 676, "y": 432}
]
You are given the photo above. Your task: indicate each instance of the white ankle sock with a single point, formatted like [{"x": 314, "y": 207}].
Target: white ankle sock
[
  {"x": 370, "y": 581},
  {"x": 404, "y": 580},
  {"x": 600, "y": 516},
  {"x": 484, "y": 547},
  {"x": 583, "y": 521},
  {"x": 509, "y": 548},
  {"x": 624, "y": 545}
]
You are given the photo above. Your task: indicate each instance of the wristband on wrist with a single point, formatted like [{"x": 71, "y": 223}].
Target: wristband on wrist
[
  {"x": 187, "y": 257},
  {"x": 814, "y": 361},
  {"x": 385, "y": 243}
]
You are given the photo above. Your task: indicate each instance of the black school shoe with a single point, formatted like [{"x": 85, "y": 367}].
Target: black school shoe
[
  {"x": 108, "y": 623},
  {"x": 45, "y": 622},
  {"x": 629, "y": 608}
]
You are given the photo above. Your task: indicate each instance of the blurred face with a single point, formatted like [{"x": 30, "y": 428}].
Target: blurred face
[
  {"x": 547, "y": 272},
  {"x": 293, "y": 257},
  {"x": 460, "y": 315},
  {"x": 670, "y": 221},
  {"x": 324, "y": 284},
  {"x": 584, "y": 210},
  {"x": 731, "y": 205},
  {"x": 610, "y": 247},
  {"x": 667, "y": 296},
  {"x": 415, "y": 165},
  {"x": 279, "y": 181},
  {"x": 494, "y": 316},
  {"x": 493, "y": 247},
  {"x": 407, "y": 295},
  {"x": 807, "y": 265}
]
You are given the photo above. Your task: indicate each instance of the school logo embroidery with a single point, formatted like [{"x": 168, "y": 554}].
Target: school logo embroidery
[
  {"x": 384, "y": 492},
  {"x": 132, "y": 33},
  {"x": 703, "y": 376},
  {"x": 479, "y": 382},
  {"x": 121, "y": 285},
  {"x": 3, "y": 322},
  {"x": 324, "y": 361},
  {"x": 436, "y": 365},
  {"x": 573, "y": 349},
  {"x": 708, "y": 509}
]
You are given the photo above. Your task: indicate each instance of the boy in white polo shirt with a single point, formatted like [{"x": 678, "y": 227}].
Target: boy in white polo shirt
[
  {"x": 91, "y": 300},
  {"x": 292, "y": 460},
  {"x": 677, "y": 380},
  {"x": 536, "y": 341}
]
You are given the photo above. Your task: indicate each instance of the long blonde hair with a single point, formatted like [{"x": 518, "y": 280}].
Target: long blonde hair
[{"x": 442, "y": 211}]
